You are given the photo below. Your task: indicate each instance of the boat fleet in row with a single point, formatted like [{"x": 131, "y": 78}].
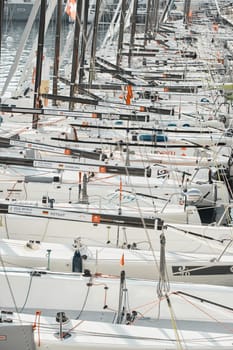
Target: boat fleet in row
[{"x": 116, "y": 214}]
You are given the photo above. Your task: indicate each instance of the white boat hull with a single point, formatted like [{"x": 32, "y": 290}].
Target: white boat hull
[
  {"x": 89, "y": 335},
  {"x": 180, "y": 267},
  {"x": 97, "y": 298}
]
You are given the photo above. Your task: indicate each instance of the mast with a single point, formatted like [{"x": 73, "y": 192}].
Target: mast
[
  {"x": 133, "y": 30},
  {"x": 26, "y": 73},
  {"x": 74, "y": 68},
  {"x": 156, "y": 16},
  {"x": 84, "y": 40},
  {"x": 121, "y": 33},
  {"x": 187, "y": 6},
  {"x": 40, "y": 47},
  {"x": 147, "y": 21},
  {"x": 57, "y": 49},
  {"x": 151, "y": 24},
  {"x": 163, "y": 286},
  {"x": 121, "y": 307},
  {"x": 217, "y": 7},
  {"x": 113, "y": 27},
  {"x": 1, "y": 23},
  {"x": 166, "y": 11},
  {"x": 94, "y": 40}
]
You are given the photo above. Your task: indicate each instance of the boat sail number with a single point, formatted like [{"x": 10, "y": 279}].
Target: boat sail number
[{"x": 201, "y": 270}]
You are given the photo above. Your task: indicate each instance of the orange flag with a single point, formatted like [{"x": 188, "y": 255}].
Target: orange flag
[
  {"x": 129, "y": 94},
  {"x": 190, "y": 15},
  {"x": 215, "y": 27},
  {"x": 122, "y": 261},
  {"x": 120, "y": 193},
  {"x": 70, "y": 9}
]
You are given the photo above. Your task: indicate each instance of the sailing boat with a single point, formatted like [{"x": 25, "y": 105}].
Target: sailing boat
[
  {"x": 59, "y": 331},
  {"x": 97, "y": 295},
  {"x": 215, "y": 268},
  {"x": 131, "y": 317}
]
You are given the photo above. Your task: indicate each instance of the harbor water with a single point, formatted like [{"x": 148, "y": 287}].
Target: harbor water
[{"x": 11, "y": 36}]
